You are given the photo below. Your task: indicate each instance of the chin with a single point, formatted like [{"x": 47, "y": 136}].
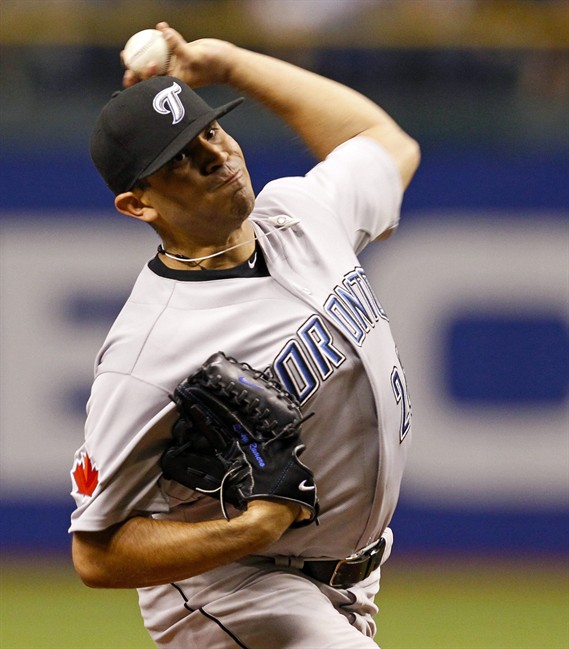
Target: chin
[{"x": 244, "y": 204}]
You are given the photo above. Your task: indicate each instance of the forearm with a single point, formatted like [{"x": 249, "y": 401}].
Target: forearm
[
  {"x": 323, "y": 112},
  {"x": 145, "y": 552}
]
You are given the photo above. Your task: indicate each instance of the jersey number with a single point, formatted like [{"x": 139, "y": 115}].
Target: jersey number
[{"x": 401, "y": 397}]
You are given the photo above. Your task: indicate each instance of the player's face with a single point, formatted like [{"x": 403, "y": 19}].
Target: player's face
[{"x": 205, "y": 191}]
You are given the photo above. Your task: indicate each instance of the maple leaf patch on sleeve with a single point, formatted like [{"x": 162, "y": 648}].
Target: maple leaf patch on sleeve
[{"x": 85, "y": 475}]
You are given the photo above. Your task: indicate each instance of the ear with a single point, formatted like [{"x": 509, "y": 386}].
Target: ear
[{"x": 132, "y": 205}]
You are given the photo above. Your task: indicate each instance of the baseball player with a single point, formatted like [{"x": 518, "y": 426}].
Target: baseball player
[{"x": 274, "y": 281}]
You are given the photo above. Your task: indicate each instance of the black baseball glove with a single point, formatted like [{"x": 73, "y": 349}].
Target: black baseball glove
[{"x": 238, "y": 438}]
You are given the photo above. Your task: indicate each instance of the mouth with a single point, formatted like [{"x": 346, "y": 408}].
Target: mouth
[{"x": 229, "y": 178}]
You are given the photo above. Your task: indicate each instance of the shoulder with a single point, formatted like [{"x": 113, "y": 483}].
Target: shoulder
[
  {"x": 359, "y": 159},
  {"x": 359, "y": 171},
  {"x": 358, "y": 186},
  {"x": 352, "y": 164}
]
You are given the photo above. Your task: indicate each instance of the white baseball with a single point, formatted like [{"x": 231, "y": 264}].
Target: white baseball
[{"x": 146, "y": 47}]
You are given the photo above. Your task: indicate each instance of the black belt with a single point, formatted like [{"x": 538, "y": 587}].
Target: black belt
[{"x": 347, "y": 572}]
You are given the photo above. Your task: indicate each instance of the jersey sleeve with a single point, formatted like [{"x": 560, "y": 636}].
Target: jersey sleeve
[
  {"x": 358, "y": 184},
  {"x": 115, "y": 473}
]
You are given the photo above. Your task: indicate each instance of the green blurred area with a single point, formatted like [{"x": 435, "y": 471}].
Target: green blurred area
[{"x": 425, "y": 603}]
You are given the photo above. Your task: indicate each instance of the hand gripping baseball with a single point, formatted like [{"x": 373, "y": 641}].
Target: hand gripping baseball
[
  {"x": 238, "y": 438},
  {"x": 199, "y": 63}
]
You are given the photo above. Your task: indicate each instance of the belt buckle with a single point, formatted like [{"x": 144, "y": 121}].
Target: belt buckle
[{"x": 357, "y": 566}]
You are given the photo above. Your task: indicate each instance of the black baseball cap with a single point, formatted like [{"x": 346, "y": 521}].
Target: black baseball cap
[{"x": 142, "y": 127}]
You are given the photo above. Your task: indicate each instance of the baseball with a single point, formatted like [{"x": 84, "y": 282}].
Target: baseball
[{"x": 146, "y": 47}]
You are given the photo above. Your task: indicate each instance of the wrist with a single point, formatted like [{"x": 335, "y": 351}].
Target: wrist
[
  {"x": 238, "y": 66},
  {"x": 270, "y": 519}
]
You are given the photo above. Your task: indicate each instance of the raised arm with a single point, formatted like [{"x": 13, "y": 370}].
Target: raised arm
[{"x": 322, "y": 112}]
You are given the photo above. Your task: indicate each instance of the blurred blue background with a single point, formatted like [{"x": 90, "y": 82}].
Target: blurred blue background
[{"x": 475, "y": 282}]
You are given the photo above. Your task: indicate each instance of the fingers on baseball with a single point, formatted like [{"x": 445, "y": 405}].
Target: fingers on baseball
[
  {"x": 130, "y": 77},
  {"x": 173, "y": 38}
]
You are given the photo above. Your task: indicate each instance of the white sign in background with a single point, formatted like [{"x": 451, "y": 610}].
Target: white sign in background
[{"x": 424, "y": 275}]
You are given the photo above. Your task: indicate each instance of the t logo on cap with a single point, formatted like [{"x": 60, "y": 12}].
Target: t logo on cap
[{"x": 167, "y": 101}]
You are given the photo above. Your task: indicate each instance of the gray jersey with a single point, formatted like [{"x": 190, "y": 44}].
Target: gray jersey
[{"x": 315, "y": 321}]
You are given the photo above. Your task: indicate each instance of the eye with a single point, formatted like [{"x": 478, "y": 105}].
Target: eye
[
  {"x": 179, "y": 159},
  {"x": 211, "y": 131}
]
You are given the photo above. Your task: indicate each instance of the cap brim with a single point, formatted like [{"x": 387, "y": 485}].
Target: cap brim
[{"x": 187, "y": 135}]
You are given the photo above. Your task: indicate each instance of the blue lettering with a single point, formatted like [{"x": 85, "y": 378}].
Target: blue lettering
[
  {"x": 401, "y": 397},
  {"x": 255, "y": 450},
  {"x": 358, "y": 278},
  {"x": 294, "y": 371},
  {"x": 318, "y": 341},
  {"x": 345, "y": 319}
]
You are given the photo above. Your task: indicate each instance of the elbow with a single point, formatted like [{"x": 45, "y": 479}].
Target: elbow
[
  {"x": 91, "y": 580},
  {"x": 89, "y": 573},
  {"x": 412, "y": 155},
  {"x": 90, "y": 576},
  {"x": 409, "y": 162},
  {"x": 415, "y": 153},
  {"x": 89, "y": 562}
]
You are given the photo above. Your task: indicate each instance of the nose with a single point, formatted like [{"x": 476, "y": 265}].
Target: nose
[{"x": 209, "y": 155}]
